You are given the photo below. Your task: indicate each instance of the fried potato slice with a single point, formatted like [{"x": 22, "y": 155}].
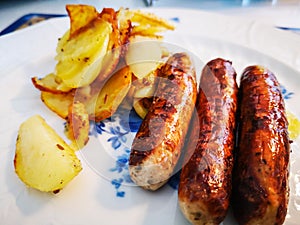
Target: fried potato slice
[
  {"x": 43, "y": 160},
  {"x": 114, "y": 48},
  {"x": 141, "y": 106},
  {"x": 105, "y": 103},
  {"x": 80, "y": 16},
  {"x": 58, "y": 102},
  {"x": 78, "y": 125},
  {"x": 50, "y": 83},
  {"x": 144, "y": 23},
  {"x": 144, "y": 56},
  {"x": 127, "y": 102},
  {"x": 145, "y": 92},
  {"x": 146, "y": 86},
  {"x": 80, "y": 58}
]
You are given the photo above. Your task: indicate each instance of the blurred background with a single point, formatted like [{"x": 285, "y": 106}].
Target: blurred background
[{"x": 282, "y": 13}]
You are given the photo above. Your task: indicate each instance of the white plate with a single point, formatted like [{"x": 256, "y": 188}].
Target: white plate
[{"x": 92, "y": 197}]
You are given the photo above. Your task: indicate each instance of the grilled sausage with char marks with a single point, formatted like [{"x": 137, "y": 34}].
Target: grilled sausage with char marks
[
  {"x": 261, "y": 172},
  {"x": 205, "y": 181},
  {"x": 157, "y": 145}
]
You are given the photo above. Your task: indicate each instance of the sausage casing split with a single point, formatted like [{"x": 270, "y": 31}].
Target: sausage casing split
[
  {"x": 261, "y": 171},
  {"x": 205, "y": 180},
  {"x": 158, "y": 143}
]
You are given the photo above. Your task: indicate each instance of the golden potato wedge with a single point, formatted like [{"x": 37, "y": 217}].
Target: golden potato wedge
[
  {"x": 144, "y": 56},
  {"x": 141, "y": 106},
  {"x": 145, "y": 92},
  {"x": 78, "y": 125},
  {"x": 114, "y": 48},
  {"x": 105, "y": 103},
  {"x": 127, "y": 102},
  {"x": 42, "y": 158},
  {"x": 150, "y": 19},
  {"x": 144, "y": 23},
  {"x": 58, "y": 103},
  {"x": 80, "y": 16},
  {"x": 80, "y": 58},
  {"x": 145, "y": 87},
  {"x": 50, "y": 83}
]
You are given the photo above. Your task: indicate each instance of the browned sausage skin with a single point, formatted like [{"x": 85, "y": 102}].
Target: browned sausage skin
[
  {"x": 205, "y": 181},
  {"x": 157, "y": 145},
  {"x": 261, "y": 171}
]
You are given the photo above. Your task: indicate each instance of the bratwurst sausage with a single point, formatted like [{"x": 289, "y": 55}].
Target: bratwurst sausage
[
  {"x": 261, "y": 171},
  {"x": 157, "y": 145},
  {"x": 205, "y": 180}
]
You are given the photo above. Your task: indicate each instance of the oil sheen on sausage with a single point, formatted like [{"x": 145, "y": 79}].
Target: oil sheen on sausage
[
  {"x": 261, "y": 172},
  {"x": 205, "y": 181},
  {"x": 158, "y": 143}
]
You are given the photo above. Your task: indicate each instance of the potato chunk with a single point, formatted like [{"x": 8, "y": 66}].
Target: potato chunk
[
  {"x": 105, "y": 103},
  {"x": 80, "y": 58},
  {"x": 50, "y": 83},
  {"x": 58, "y": 103},
  {"x": 42, "y": 159},
  {"x": 78, "y": 125}
]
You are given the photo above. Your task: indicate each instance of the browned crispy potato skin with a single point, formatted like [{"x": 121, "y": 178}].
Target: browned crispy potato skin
[
  {"x": 261, "y": 172},
  {"x": 157, "y": 145},
  {"x": 205, "y": 182}
]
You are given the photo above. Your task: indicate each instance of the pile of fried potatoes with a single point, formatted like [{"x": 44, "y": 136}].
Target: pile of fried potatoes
[{"x": 105, "y": 59}]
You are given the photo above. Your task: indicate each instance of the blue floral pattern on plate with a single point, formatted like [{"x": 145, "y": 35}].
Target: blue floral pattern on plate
[
  {"x": 118, "y": 128},
  {"x": 286, "y": 94}
]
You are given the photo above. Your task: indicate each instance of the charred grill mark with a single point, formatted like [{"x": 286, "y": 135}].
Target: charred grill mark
[
  {"x": 263, "y": 150},
  {"x": 205, "y": 180},
  {"x": 163, "y": 107},
  {"x": 162, "y": 132}
]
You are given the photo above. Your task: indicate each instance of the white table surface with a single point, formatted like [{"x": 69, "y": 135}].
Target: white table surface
[{"x": 284, "y": 13}]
